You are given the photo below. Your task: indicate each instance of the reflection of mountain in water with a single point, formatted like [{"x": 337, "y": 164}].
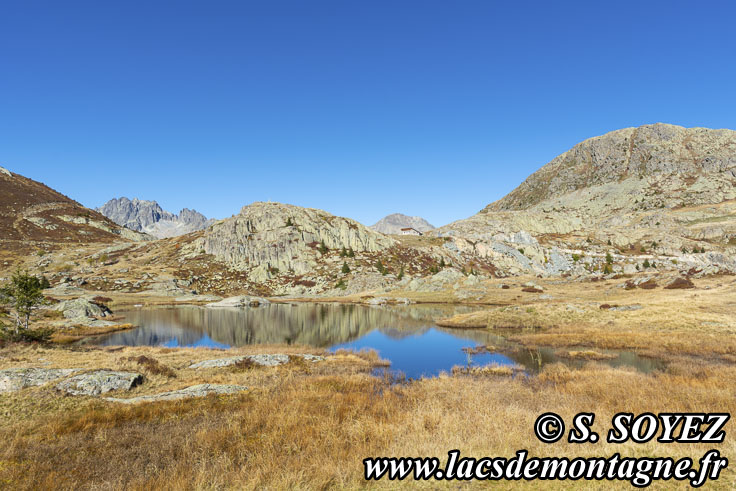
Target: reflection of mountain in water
[{"x": 321, "y": 325}]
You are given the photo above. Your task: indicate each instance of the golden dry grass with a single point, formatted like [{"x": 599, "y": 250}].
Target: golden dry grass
[
  {"x": 311, "y": 430},
  {"x": 308, "y": 426}
]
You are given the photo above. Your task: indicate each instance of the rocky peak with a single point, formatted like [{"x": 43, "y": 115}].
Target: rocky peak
[
  {"x": 148, "y": 216},
  {"x": 392, "y": 224},
  {"x": 657, "y": 155}
]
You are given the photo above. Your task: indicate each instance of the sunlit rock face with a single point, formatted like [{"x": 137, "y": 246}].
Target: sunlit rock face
[{"x": 285, "y": 237}]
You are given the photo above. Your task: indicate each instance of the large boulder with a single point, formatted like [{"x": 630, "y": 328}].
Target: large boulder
[
  {"x": 82, "y": 307},
  {"x": 99, "y": 382},
  {"x": 13, "y": 379}
]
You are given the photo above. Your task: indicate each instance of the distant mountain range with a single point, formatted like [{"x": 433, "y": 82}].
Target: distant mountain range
[
  {"x": 392, "y": 224},
  {"x": 148, "y": 217}
]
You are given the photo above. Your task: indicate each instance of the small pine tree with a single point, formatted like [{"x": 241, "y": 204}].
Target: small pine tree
[
  {"x": 607, "y": 269},
  {"x": 351, "y": 252},
  {"x": 609, "y": 258},
  {"x": 343, "y": 252},
  {"x": 289, "y": 223},
  {"x": 442, "y": 262},
  {"x": 24, "y": 294},
  {"x": 379, "y": 266},
  {"x": 609, "y": 242},
  {"x": 401, "y": 274},
  {"x": 322, "y": 247},
  {"x": 345, "y": 268},
  {"x": 646, "y": 263}
]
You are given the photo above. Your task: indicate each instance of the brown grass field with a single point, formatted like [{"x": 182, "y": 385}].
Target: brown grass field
[{"x": 309, "y": 426}]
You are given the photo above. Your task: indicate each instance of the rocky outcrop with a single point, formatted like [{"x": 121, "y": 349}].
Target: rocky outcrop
[
  {"x": 264, "y": 360},
  {"x": 148, "y": 217},
  {"x": 240, "y": 302},
  {"x": 13, "y": 379},
  {"x": 82, "y": 307},
  {"x": 265, "y": 238},
  {"x": 200, "y": 390},
  {"x": 392, "y": 224},
  {"x": 99, "y": 382}
]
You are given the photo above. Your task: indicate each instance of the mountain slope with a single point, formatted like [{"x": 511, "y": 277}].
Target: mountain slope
[
  {"x": 33, "y": 212},
  {"x": 148, "y": 217},
  {"x": 659, "y": 191},
  {"x": 683, "y": 166},
  {"x": 392, "y": 224}
]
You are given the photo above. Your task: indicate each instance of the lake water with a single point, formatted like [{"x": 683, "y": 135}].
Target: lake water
[{"x": 404, "y": 335}]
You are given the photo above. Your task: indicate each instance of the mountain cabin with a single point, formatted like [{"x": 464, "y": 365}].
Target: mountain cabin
[{"x": 410, "y": 231}]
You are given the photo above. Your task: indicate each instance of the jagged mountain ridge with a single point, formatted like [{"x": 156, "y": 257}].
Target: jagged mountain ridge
[
  {"x": 148, "y": 217},
  {"x": 33, "y": 212},
  {"x": 392, "y": 224}
]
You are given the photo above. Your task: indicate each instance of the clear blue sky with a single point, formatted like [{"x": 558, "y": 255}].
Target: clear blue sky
[{"x": 361, "y": 108}]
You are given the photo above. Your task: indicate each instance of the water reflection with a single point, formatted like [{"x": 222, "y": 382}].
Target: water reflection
[{"x": 405, "y": 335}]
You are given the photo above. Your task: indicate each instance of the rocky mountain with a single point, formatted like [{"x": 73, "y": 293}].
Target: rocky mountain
[
  {"x": 655, "y": 192},
  {"x": 148, "y": 217},
  {"x": 672, "y": 165},
  {"x": 392, "y": 224},
  {"x": 32, "y": 213},
  {"x": 271, "y": 238}
]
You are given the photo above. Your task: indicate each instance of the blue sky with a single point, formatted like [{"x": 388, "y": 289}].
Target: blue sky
[{"x": 361, "y": 108}]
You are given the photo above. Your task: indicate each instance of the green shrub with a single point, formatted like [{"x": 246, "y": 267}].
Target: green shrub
[{"x": 23, "y": 335}]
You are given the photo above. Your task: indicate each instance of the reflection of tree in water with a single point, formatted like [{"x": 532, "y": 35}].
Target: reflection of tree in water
[{"x": 319, "y": 325}]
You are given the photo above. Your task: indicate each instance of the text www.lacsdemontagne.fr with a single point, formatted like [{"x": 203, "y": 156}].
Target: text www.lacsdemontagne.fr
[{"x": 640, "y": 472}]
